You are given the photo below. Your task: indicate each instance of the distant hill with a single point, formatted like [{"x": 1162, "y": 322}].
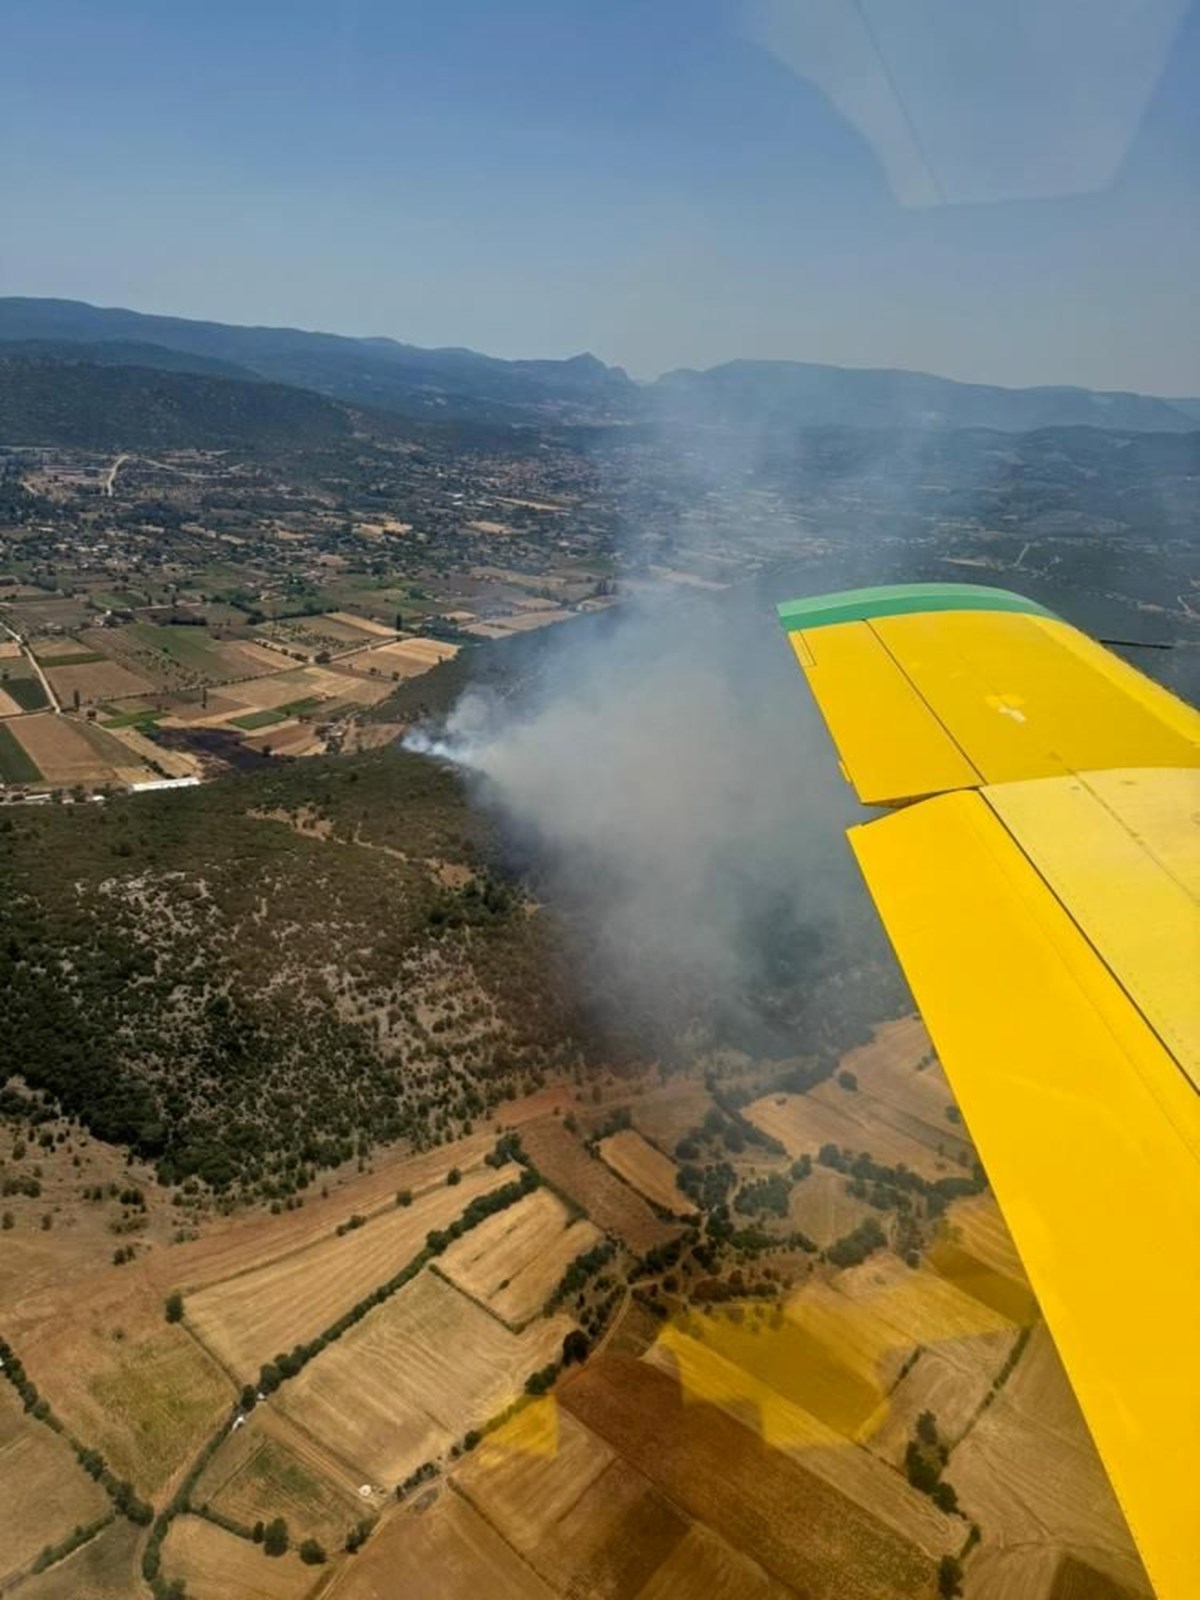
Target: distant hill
[
  {"x": 76, "y": 403},
  {"x": 376, "y": 372},
  {"x": 793, "y": 394},
  {"x": 456, "y": 385},
  {"x": 125, "y": 353}
]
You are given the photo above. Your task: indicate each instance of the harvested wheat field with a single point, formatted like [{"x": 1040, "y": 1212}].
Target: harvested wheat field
[
  {"x": 581, "y": 1517},
  {"x": 647, "y": 1169},
  {"x": 103, "y": 1569},
  {"x": 444, "y": 1552},
  {"x": 413, "y": 1376},
  {"x": 217, "y": 1565},
  {"x": 408, "y": 657},
  {"x": 803, "y": 1123},
  {"x": 268, "y": 1469},
  {"x": 702, "y": 1564},
  {"x": 359, "y": 624},
  {"x": 668, "y": 1113},
  {"x": 250, "y": 1318},
  {"x": 243, "y": 1244},
  {"x": 802, "y": 1531},
  {"x": 708, "y": 1377},
  {"x": 902, "y": 1085},
  {"x": 44, "y": 1491},
  {"x": 69, "y": 752},
  {"x": 1029, "y": 1474},
  {"x": 513, "y": 1261},
  {"x": 95, "y": 680},
  {"x": 963, "y": 1345},
  {"x": 609, "y": 1203},
  {"x": 822, "y": 1209}
]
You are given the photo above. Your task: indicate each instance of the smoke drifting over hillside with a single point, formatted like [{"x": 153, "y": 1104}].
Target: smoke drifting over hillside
[{"x": 671, "y": 788}]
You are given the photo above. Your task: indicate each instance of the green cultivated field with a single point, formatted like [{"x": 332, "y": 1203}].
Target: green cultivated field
[
  {"x": 27, "y": 692},
  {"x": 15, "y": 765}
]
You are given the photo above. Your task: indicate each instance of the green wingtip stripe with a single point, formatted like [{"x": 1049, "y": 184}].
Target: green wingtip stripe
[{"x": 896, "y": 599}]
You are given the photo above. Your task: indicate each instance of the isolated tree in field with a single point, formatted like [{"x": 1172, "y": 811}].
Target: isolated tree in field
[
  {"x": 174, "y": 1307},
  {"x": 312, "y": 1553},
  {"x": 259, "y": 1531},
  {"x": 847, "y": 1081},
  {"x": 275, "y": 1538}
]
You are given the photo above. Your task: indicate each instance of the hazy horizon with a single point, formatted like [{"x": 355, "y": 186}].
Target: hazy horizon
[{"x": 1001, "y": 194}]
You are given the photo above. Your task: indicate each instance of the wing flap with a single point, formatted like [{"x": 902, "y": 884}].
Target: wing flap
[{"x": 1087, "y": 1130}]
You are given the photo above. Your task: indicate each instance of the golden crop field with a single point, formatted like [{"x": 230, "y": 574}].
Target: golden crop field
[
  {"x": 413, "y": 1376},
  {"x": 252, "y": 1317},
  {"x": 514, "y": 1260},
  {"x": 444, "y": 1552},
  {"x": 647, "y": 1169},
  {"x": 217, "y": 1565},
  {"x": 44, "y": 1492}
]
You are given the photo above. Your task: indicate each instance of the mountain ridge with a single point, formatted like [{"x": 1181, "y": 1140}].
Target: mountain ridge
[{"x": 457, "y": 382}]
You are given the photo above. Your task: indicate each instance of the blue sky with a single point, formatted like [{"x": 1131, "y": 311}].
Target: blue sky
[{"x": 1005, "y": 190}]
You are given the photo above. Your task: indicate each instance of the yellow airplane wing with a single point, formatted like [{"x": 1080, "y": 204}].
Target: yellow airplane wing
[{"x": 1039, "y": 877}]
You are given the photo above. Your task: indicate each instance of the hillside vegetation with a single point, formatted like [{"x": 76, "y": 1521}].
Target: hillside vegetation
[{"x": 54, "y": 402}]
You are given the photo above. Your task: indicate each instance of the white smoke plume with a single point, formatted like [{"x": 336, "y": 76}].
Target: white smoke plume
[{"x": 673, "y": 785}]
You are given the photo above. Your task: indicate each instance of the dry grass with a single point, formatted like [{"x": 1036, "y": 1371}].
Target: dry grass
[
  {"x": 267, "y": 1469},
  {"x": 250, "y": 1318},
  {"x": 608, "y": 1202},
  {"x": 44, "y": 1492},
  {"x": 217, "y": 1565},
  {"x": 149, "y": 1404},
  {"x": 106, "y": 1568},
  {"x": 444, "y": 1552},
  {"x": 514, "y": 1260},
  {"x": 821, "y": 1208},
  {"x": 666, "y": 1114},
  {"x": 647, "y": 1169},
  {"x": 413, "y": 1376}
]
